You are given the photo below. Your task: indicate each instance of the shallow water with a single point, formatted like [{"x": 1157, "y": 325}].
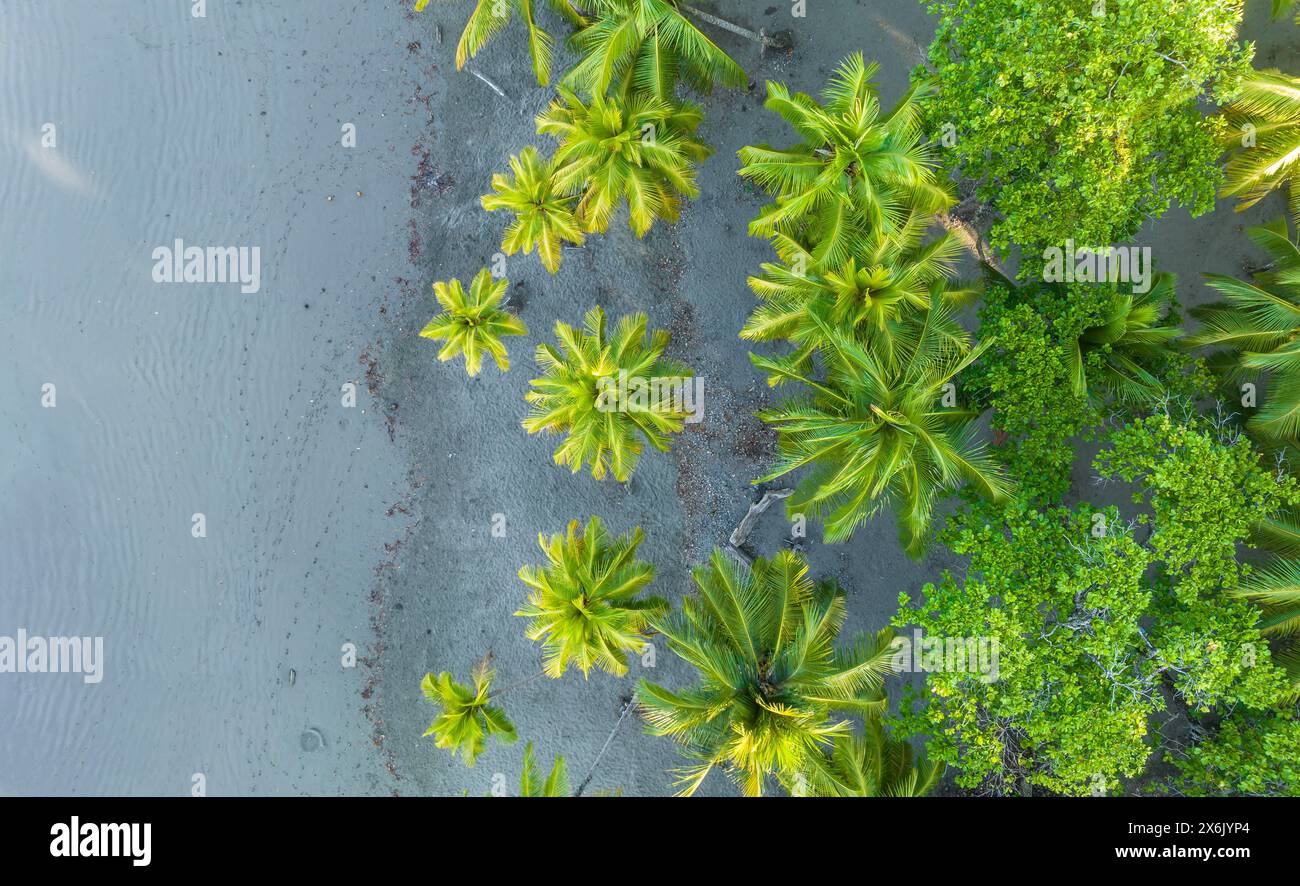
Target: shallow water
[{"x": 223, "y": 654}]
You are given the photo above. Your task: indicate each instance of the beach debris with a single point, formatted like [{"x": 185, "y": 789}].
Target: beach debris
[
  {"x": 312, "y": 739},
  {"x": 497, "y": 89}
]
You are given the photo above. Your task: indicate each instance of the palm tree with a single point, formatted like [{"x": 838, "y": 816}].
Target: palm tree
[
  {"x": 1256, "y": 330},
  {"x": 1269, "y": 104},
  {"x": 579, "y": 394},
  {"x": 465, "y": 720},
  {"x": 762, "y": 638},
  {"x": 869, "y": 297},
  {"x": 473, "y": 324},
  {"x": 878, "y": 436},
  {"x": 490, "y": 17},
  {"x": 641, "y": 150},
  {"x": 869, "y": 764},
  {"x": 583, "y": 603},
  {"x": 644, "y": 46},
  {"x": 1133, "y": 338},
  {"x": 556, "y": 783},
  {"x": 856, "y": 170},
  {"x": 1276, "y": 588},
  {"x": 543, "y": 215}
]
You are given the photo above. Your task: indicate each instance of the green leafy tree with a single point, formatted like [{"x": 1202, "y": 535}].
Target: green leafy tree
[
  {"x": 544, "y": 216},
  {"x": 466, "y": 720},
  {"x": 473, "y": 324},
  {"x": 1252, "y": 753},
  {"x": 871, "y": 764},
  {"x": 858, "y": 169},
  {"x": 1062, "y": 355},
  {"x": 1255, "y": 329},
  {"x": 1264, "y": 130},
  {"x": 878, "y": 436},
  {"x": 641, "y": 150},
  {"x": 1095, "y": 629},
  {"x": 770, "y": 679},
  {"x": 646, "y": 46},
  {"x": 583, "y": 603},
  {"x": 490, "y": 17},
  {"x": 1080, "y": 120},
  {"x": 556, "y": 783},
  {"x": 577, "y": 394}
]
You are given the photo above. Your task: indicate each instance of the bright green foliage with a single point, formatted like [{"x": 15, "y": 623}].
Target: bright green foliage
[
  {"x": 1280, "y": 8},
  {"x": 466, "y": 721},
  {"x": 1264, "y": 131},
  {"x": 869, "y": 298},
  {"x": 646, "y": 46},
  {"x": 576, "y": 394},
  {"x": 858, "y": 169},
  {"x": 1061, "y": 353},
  {"x": 490, "y": 17},
  {"x": 556, "y": 783},
  {"x": 641, "y": 150},
  {"x": 1205, "y": 490},
  {"x": 1074, "y": 690},
  {"x": 473, "y": 324},
  {"x": 543, "y": 214},
  {"x": 870, "y": 764},
  {"x": 583, "y": 603},
  {"x": 1094, "y": 626},
  {"x": 1255, "y": 330},
  {"x": 1079, "y": 119},
  {"x": 1252, "y": 754},
  {"x": 770, "y": 678},
  {"x": 878, "y": 436}
]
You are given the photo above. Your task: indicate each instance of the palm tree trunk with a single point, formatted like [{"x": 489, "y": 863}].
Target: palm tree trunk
[
  {"x": 627, "y": 708},
  {"x": 759, "y": 37}
]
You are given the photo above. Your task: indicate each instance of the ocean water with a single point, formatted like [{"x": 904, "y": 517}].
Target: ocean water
[{"x": 129, "y": 406}]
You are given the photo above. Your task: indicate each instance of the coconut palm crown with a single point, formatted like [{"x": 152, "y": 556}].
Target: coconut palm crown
[
  {"x": 639, "y": 149},
  {"x": 490, "y": 17},
  {"x": 869, "y": 297},
  {"x": 1256, "y": 329},
  {"x": 857, "y": 169},
  {"x": 544, "y": 216},
  {"x": 646, "y": 46},
  {"x": 771, "y": 681},
  {"x": 473, "y": 324},
  {"x": 869, "y": 764},
  {"x": 465, "y": 720},
  {"x": 578, "y": 394},
  {"x": 876, "y": 436},
  {"x": 1264, "y": 131},
  {"x": 584, "y": 602}
]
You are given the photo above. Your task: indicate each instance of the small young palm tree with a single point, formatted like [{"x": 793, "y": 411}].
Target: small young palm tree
[
  {"x": 490, "y": 17},
  {"x": 556, "y": 783},
  {"x": 877, "y": 436},
  {"x": 543, "y": 214},
  {"x": 466, "y": 721},
  {"x": 641, "y": 150},
  {"x": 868, "y": 298},
  {"x": 869, "y": 764},
  {"x": 1270, "y": 105},
  {"x": 1256, "y": 329},
  {"x": 770, "y": 678},
  {"x": 857, "y": 169},
  {"x": 583, "y": 603},
  {"x": 472, "y": 324},
  {"x": 645, "y": 46},
  {"x": 577, "y": 394},
  {"x": 1134, "y": 336}
]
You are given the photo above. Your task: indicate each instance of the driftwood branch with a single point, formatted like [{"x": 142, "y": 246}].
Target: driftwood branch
[
  {"x": 781, "y": 42},
  {"x": 740, "y": 534}
]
